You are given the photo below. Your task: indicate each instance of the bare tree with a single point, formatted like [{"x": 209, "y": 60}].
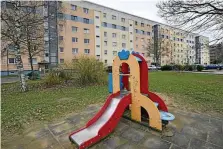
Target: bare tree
[
  {"x": 12, "y": 31},
  {"x": 194, "y": 15}
]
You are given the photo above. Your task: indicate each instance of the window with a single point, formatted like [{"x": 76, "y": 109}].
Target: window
[
  {"x": 105, "y": 34},
  {"x": 86, "y": 31},
  {"x": 61, "y": 61},
  {"x": 178, "y": 39},
  {"x": 123, "y": 36},
  {"x": 60, "y": 27},
  {"x": 61, "y": 49},
  {"x": 104, "y": 15},
  {"x": 34, "y": 61},
  {"x": 123, "y": 28},
  {"x": 74, "y": 39},
  {"x": 97, "y": 36},
  {"x": 148, "y": 33},
  {"x": 97, "y": 17},
  {"x": 86, "y": 21},
  {"x": 114, "y": 26},
  {"x": 60, "y": 15},
  {"x": 61, "y": 38},
  {"x": 123, "y": 45},
  {"x": 142, "y": 24},
  {"x": 98, "y": 46},
  {"x": 74, "y": 18},
  {"x": 162, "y": 36},
  {"x": 104, "y": 24},
  {"x": 130, "y": 24},
  {"x": 136, "y": 23},
  {"x": 123, "y": 19},
  {"x": 105, "y": 52},
  {"x": 143, "y": 32},
  {"x": 174, "y": 38},
  {"x": 136, "y": 30},
  {"x": 114, "y": 53},
  {"x": 105, "y": 43},
  {"x": 130, "y": 40},
  {"x": 74, "y": 50},
  {"x": 46, "y": 54},
  {"x": 86, "y": 10},
  {"x": 114, "y": 44},
  {"x": 73, "y": 7},
  {"x": 106, "y": 61},
  {"x": 167, "y": 37},
  {"x": 11, "y": 60},
  {"x": 181, "y": 40},
  {"x": 113, "y": 17},
  {"x": 86, "y": 51},
  {"x": 74, "y": 29},
  {"x": 114, "y": 35},
  {"x": 86, "y": 41}
]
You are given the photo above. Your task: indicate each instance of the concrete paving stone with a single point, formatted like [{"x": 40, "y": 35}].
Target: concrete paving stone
[
  {"x": 46, "y": 142},
  {"x": 179, "y": 139},
  {"x": 196, "y": 143},
  {"x": 200, "y": 117},
  {"x": 13, "y": 146},
  {"x": 173, "y": 146},
  {"x": 121, "y": 127},
  {"x": 91, "y": 108},
  {"x": 113, "y": 142},
  {"x": 217, "y": 123},
  {"x": 215, "y": 138},
  {"x": 74, "y": 119},
  {"x": 60, "y": 128},
  {"x": 129, "y": 145},
  {"x": 194, "y": 132},
  {"x": 64, "y": 140},
  {"x": 154, "y": 142},
  {"x": 134, "y": 135},
  {"x": 206, "y": 127}
]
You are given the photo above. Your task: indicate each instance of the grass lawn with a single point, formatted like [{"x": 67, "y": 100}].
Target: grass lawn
[{"x": 200, "y": 91}]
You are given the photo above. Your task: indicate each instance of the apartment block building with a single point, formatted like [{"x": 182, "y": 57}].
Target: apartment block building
[
  {"x": 216, "y": 53},
  {"x": 81, "y": 27}
]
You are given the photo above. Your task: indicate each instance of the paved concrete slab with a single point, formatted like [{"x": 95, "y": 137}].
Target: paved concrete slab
[{"x": 191, "y": 131}]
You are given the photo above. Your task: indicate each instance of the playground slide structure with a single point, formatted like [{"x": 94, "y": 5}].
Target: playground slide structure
[
  {"x": 129, "y": 91},
  {"x": 103, "y": 122}
]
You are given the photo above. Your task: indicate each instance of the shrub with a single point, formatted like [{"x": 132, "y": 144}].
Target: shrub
[
  {"x": 166, "y": 68},
  {"x": 178, "y": 67},
  {"x": 89, "y": 70},
  {"x": 200, "y": 67},
  {"x": 52, "y": 78},
  {"x": 188, "y": 68}
]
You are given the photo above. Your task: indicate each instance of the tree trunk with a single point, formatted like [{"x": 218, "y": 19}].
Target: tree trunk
[
  {"x": 31, "y": 61},
  {"x": 20, "y": 68}
]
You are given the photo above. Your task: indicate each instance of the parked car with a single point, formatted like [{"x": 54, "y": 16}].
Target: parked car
[
  {"x": 152, "y": 67},
  {"x": 213, "y": 66}
]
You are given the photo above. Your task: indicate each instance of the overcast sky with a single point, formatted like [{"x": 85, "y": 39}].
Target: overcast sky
[{"x": 143, "y": 8}]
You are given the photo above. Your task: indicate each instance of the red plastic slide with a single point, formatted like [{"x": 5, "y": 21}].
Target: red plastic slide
[{"x": 103, "y": 123}]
